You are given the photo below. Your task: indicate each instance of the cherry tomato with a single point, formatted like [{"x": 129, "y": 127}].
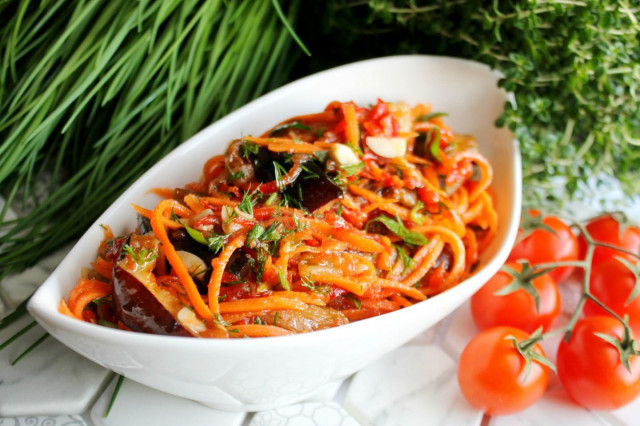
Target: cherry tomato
[
  {"x": 517, "y": 309},
  {"x": 491, "y": 373},
  {"x": 590, "y": 369},
  {"x": 543, "y": 246},
  {"x": 606, "y": 229},
  {"x": 612, "y": 284}
]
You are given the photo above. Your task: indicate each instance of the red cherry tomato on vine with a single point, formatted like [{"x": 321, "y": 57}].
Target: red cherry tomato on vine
[
  {"x": 590, "y": 369},
  {"x": 543, "y": 246},
  {"x": 517, "y": 309},
  {"x": 606, "y": 229},
  {"x": 612, "y": 284},
  {"x": 491, "y": 373}
]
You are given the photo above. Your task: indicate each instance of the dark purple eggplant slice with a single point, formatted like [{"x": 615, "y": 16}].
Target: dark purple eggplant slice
[
  {"x": 314, "y": 187},
  {"x": 137, "y": 297}
]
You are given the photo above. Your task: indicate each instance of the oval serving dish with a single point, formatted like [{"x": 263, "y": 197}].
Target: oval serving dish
[{"x": 264, "y": 373}]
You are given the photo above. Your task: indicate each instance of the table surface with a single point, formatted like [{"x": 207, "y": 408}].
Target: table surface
[{"x": 414, "y": 385}]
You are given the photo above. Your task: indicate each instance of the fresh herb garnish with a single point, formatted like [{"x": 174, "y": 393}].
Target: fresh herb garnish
[
  {"x": 260, "y": 234},
  {"x": 247, "y": 148},
  {"x": 308, "y": 173},
  {"x": 283, "y": 280},
  {"x": 434, "y": 146},
  {"x": 356, "y": 302},
  {"x": 174, "y": 216},
  {"x": 249, "y": 199},
  {"x": 260, "y": 262},
  {"x": 275, "y": 318},
  {"x": 340, "y": 210},
  {"x": 309, "y": 283},
  {"x": 415, "y": 215},
  {"x": 233, "y": 175},
  {"x": 407, "y": 261},
  {"x": 272, "y": 199},
  {"x": 280, "y": 172},
  {"x": 215, "y": 242},
  {"x": 141, "y": 256},
  {"x": 431, "y": 116},
  {"x": 352, "y": 169},
  {"x": 397, "y": 227},
  {"x": 355, "y": 148}
]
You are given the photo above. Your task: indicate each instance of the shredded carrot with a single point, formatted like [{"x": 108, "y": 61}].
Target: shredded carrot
[
  {"x": 218, "y": 264},
  {"x": 64, "y": 309},
  {"x": 173, "y": 258},
  {"x": 103, "y": 267},
  {"x": 162, "y": 192},
  {"x": 352, "y": 131},
  {"x": 193, "y": 203},
  {"x": 286, "y": 239},
  {"x": 85, "y": 292},
  {"x": 294, "y": 148}
]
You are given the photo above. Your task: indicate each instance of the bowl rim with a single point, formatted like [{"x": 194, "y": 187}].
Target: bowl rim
[{"x": 42, "y": 310}]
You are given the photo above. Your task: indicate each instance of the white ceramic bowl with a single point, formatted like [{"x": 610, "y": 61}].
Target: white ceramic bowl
[{"x": 258, "y": 374}]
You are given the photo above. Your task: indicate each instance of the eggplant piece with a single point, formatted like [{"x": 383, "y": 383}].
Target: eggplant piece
[
  {"x": 144, "y": 226},
  {"x": 263, "y": 166},
  {"x": 313, "y": 188},
  {"x": 182, "y": 241},
  {"x": 240, "y": 263},
  {"x": 140, "y": 303}
]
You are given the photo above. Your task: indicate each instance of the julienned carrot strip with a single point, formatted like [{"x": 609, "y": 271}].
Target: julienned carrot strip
[
  {"x": 352, "y": 129},
  {"x": 175, "y": 262},
  {"x": 85, "y": 292},
  {"x": 379, "y": 304},
  {"x": 103, "y": 267},
  {"x": 217, "y": 201},
  {"x": 456, "y": 244},
  {"x": 360, "y": 314},
  {"x": 402, "y": 301},
  {"x": 308, "y": 298},
  {"x": 213, "y": 167},
  {"x": 415, "y": 159},
  {"x": 471, "y": 244},
  {"x": 294, "y": 148},
  {"x": 162, "y": 192},
  {"x": 425, "y": 258},
  {"x": 261, "y": 304},
  {"x": 486, "y": 172},
  {"x": 168, "y": 223},
  {"x": 358, "y": 241},
  {"x": 256, "y": 330},
  {"x": 400, "y": 287},
  {"x": 63, "y": 308},
  {"x": 267, "y": 141},
  {"x": 355, "y": 287},
  {"x": 472, "y": 212},
  {"x": 385, "y": 204},
  {"x": 193, "y": 203},
  {"x": 218, "y": 264}
]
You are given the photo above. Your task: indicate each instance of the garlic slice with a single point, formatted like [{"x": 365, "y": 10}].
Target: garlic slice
[
  {"x": 387, "y": 147},
  {"x": 343, "y": 155},
  {"x": 187, "y": 318},
  {"x": 193, "y": 263}
]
